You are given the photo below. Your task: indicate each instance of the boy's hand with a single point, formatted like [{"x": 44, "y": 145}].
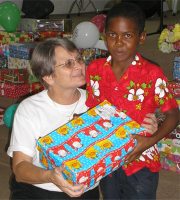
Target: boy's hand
[
  {"x": 150, "y": 123},
  {"x": 143, "y": 143}
]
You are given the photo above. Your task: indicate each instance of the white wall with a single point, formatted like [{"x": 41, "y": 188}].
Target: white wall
[
  {"x": 63, "y": 6},
  {"x": 17, "y": 2}
]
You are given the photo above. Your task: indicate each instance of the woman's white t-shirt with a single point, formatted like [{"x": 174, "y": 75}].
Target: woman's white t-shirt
[{"x": 35, "y": 117}]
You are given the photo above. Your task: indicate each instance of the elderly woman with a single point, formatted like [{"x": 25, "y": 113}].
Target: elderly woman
[{"x": 59, "y": 66}]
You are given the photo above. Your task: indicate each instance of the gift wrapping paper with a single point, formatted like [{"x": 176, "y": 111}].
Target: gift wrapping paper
[
  {"x": 3, "y": 62},
  {"x": 170, "y": 162},
  {"x": 175, "y": 88},
  {"x": 90, "y": 54},
  {"x": 171, "y": 143},
  {"x": 90, "y": 146},
  {"x": 4, "y": 50},
  {"x": 34, "y": 25},
  {"x": 10, "y": 38},
  {"x": 1, "y": 116},
  {"x": 14, "y": 75},
  {"x": 17, "y": 63},
  {"x": 21, "y": 50},
  {"x": 41, "y": 35},
  {"x": 15, "y": 91},
  {"x": 176, "y": 68}
]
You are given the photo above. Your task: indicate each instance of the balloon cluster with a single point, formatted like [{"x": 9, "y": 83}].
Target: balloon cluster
[{"x": 9, "y": 16}]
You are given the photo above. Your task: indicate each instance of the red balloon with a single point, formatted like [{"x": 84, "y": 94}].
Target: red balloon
[{"x": 99, "y": 21}]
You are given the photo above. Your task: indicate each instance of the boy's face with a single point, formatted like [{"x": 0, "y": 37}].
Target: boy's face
[{"x": 123, "y": 38}]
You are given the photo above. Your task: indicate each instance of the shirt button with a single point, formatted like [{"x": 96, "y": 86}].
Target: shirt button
[{"x": 116, "y": 88}]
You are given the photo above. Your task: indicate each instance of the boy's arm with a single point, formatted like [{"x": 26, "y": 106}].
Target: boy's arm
[{"x": 143, "y": 143}]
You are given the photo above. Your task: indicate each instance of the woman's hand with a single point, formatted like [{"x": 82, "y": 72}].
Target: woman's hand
[
  {"x": 57, "y": 178},
  {"x": 150, "y": 123}
]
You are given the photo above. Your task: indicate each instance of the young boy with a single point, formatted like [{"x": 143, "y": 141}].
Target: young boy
[{"x": 137, "y": 87}]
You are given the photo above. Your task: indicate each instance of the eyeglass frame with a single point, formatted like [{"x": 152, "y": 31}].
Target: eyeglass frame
[{"x": 72, "y": 61}]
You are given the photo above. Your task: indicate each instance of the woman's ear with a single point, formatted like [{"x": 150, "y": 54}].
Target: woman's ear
[
  {"x": 48, "y": 79},
  {"x": 142, "y": 37}
]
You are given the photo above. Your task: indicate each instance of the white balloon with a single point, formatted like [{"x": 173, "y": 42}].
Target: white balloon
[{"x": 85, "y": 35}]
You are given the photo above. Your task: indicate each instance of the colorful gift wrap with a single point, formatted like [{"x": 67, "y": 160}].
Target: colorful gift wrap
[
  {"x": 17, "y": 63},
  {"x": 10, "y": 38},
  {"x": 14, "y": 75},
  {"x": 34, "y": 25},
  {"x": 176, "y": 68},
  {"x": 21, "y": 50},
  {"x": 1, "y": 116},
  {"x": 3, "y": 62},
  {"x": 175, "y": 88},
  {"x": 90, "y": 146},
  {"x": 171, "y": 143},
  {"x": 90, "y": 54},
  {"x": 170, "y": 162},
  {"x": 41, "y": 35},
  {"x": 35, "y": 87},
  {"x": 13, "y": 90},
  {"x": 4, "y": 50}
]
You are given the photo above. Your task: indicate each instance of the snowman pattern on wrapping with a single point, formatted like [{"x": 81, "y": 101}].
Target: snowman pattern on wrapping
[{"x": 88, "y": 150}]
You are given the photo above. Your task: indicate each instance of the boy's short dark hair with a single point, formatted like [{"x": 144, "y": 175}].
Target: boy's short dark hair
[{"x": 127, "y": 10}]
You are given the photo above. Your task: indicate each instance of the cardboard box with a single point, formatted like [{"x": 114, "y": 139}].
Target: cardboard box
[{"x": 91, "y": 146}]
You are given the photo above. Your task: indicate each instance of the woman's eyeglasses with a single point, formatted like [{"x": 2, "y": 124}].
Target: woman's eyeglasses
[{"x": 70, "y": 63}]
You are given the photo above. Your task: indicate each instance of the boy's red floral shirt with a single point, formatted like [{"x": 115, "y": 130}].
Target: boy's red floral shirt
[{"x": 142, "y": 89}]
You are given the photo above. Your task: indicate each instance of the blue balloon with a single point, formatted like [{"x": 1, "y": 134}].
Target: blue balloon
[{"x": 9, "y": 115}]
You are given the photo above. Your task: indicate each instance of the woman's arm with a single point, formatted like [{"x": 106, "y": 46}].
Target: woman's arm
[{"x": 26, "y": 172}]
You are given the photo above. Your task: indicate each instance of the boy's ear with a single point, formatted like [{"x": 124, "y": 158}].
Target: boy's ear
[
  {"x": 48, "y": 79},
  {"x": 142, "y": 37}
]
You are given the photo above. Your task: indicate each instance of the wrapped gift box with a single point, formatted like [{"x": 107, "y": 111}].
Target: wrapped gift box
[
  {"x": 14, "y": 75},
  {"x": 15, "y": 91},
  {"x": 3, "y": 62},
  {"x": 175, "y": 88},
  {"x": 21, "y": 50},
  {"x": 34, "y": 25},
  {"x": 90, "y": 146},
  {"x": 171, "y": 143},
  {"x": 170, "y": 162},
  {"x": 4, "y": 50},
  {"x": 41, "y": 35},
  {"x": 1, "y": 116},
  {"x": 176, "y": 68},
  {"x": 10, "y": 38},
  {"x": 17, "y": 63},
  {"x": 90, "y": 54}
]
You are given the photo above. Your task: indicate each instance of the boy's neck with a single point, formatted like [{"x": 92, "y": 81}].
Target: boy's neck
[{"x": 119, "y": 69}]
